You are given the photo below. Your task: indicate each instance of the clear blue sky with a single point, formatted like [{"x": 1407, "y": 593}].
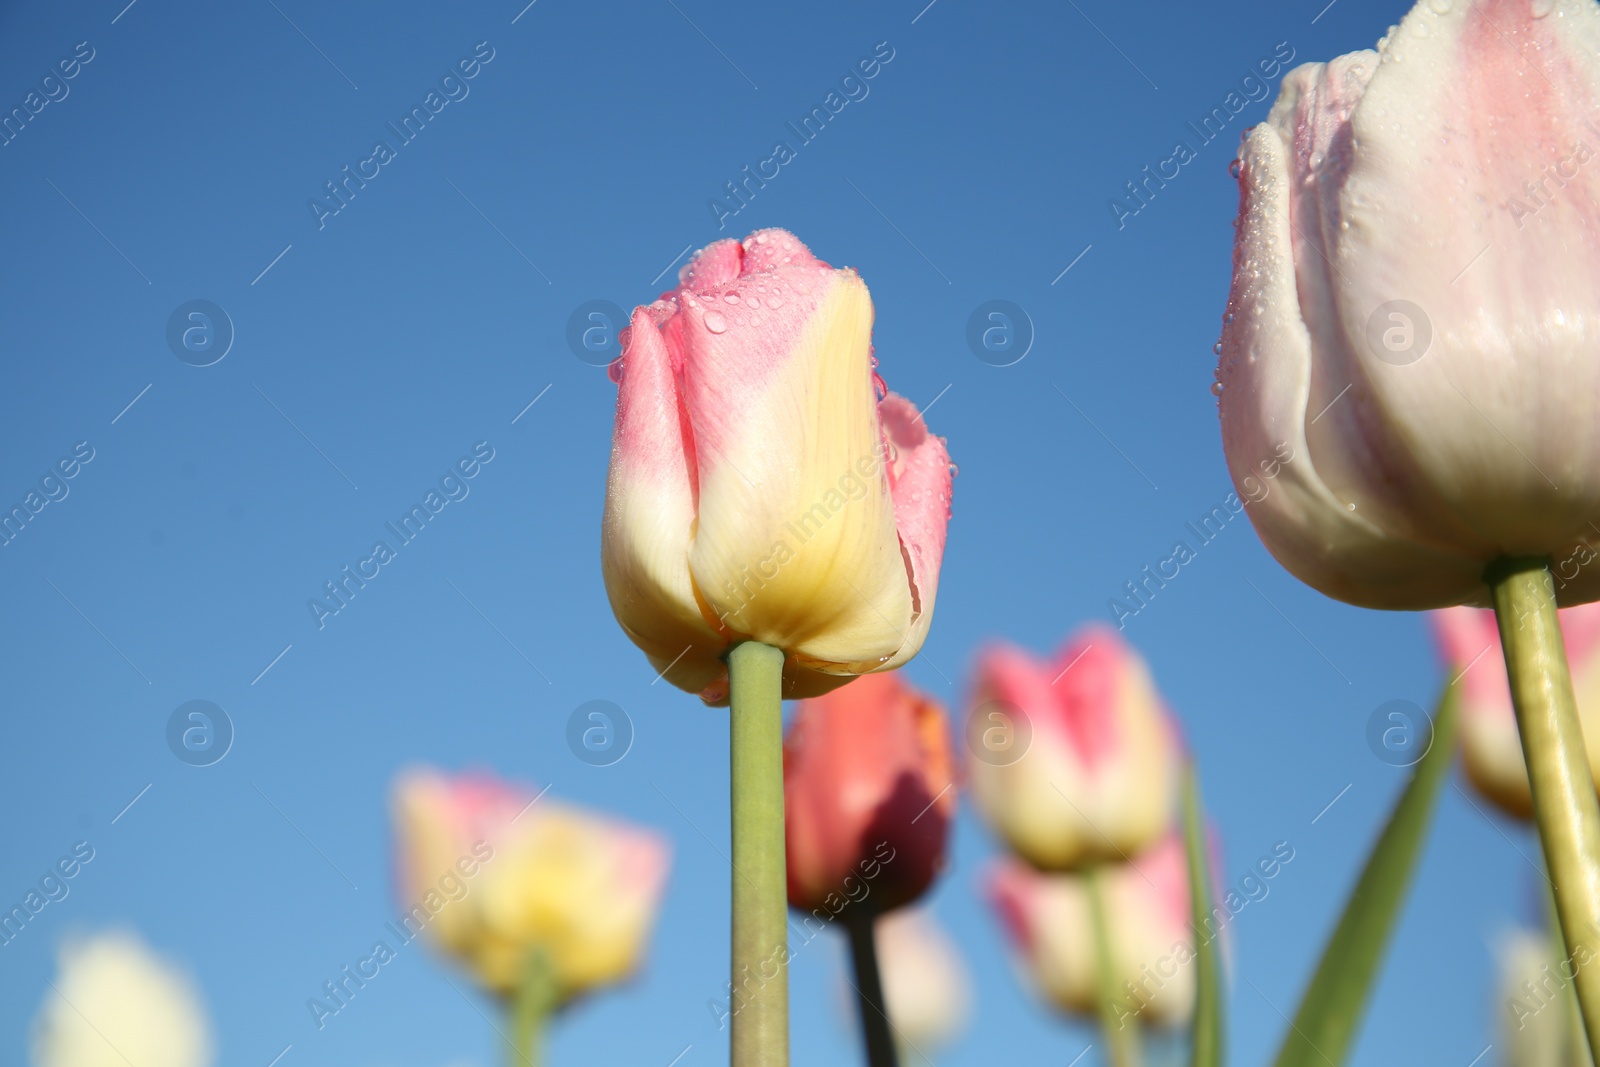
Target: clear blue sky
[{"x": 373, "y": 351}]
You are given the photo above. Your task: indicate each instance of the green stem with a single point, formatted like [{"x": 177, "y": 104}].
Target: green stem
[
  {"x": 1564, "y": 805},
  {"x": 1574, "y": 1051},
  {"x": 534, "y": 1001},
  {"x": 759, "y": 1030},
  {"x": 1121, "y": 1034},
  {"x": 881, "y": 1051},
  {"x": 1206, "y": 1040}
]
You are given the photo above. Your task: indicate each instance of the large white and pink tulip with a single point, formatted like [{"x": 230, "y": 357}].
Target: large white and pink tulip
[
  {"x": 761, "y": 488},
  {"x": 1415, "y": 307}
]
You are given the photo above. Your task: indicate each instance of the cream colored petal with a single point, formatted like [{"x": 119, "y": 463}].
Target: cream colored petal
[{"x": 796, "y": 543}]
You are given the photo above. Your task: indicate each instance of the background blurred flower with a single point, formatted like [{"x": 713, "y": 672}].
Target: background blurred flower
[
  {"x": 1534, "y": 1006},
  {"x": 1491, "y": 751},
  {"x": 1049, "y": 919},
  {"x": 867, "y": 774},
  {"x": 1441, "y": 417},
  {"x": 925, "y": 982},
  {"x": 500, "y": 875},
  {"x": 759, "y": 487},
  {"x": 1099, "y": 779},
  {"x": 115, "y": 1002}
]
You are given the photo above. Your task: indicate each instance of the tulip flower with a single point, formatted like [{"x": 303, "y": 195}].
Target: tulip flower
[
  {"x": 1051, "y": 922},
  {"x": 926, "y": 988},
  {"x": 869, "y": 793},
  {"x": 1538, "y": 1021},
  {"x": 1491, "y": 753},
  {"x": 774, "y": 526},
  {"x": 1098, "y": 779},
  {"x": 1440, "y": 417},
  {"x": 761, "y": 489},
  {"x": 115, "y": 1002},
  {"x": 541, "y": 902},
  {"x": 1408, "y": 352}
]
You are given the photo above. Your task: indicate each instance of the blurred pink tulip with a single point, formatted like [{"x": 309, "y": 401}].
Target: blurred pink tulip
[
  {"x": 491, "y": 873},
  {"x": 869, "y": 794},
  {"x": 759, "y": 487},
  {"x": 1050, "y": 921},
  {"x": 1415, "y": 310},
  {"x": 1098, "y": 779},
  {"x": 1491, "y": 750}
]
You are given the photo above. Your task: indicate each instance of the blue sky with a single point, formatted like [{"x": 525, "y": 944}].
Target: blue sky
[{"x": 374, "y": 347}]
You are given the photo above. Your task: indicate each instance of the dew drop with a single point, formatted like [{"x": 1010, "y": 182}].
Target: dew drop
[
  {"x": 1216, "y": 388},
  {"x": 1216, "y": 349},
  {"x": 1235, "y": 168},
  {"x": 774, "y": 302},
  {"x": 1228, "y": 318},
  {"x": 751, "y": 302},
  {"x": 614, "y": 371},
  {"x": 715, "y": 322},
  {"x": 1352, "y": 506},
  {"x": 730, "y": 298}
]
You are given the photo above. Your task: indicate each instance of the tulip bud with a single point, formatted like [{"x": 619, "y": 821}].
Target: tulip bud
[
  {"x": 868, "y": 793},
  {"x": 1050, "y": 921},
  {"x": 1413, "y": 317},
  {"x": 760, "y": 488},
  {"x": 1491, "y": 749},
  {"x": 492, "y": 875},
  {"x": 1098, "y": 780},
  {"x": 1534, "y": 1004},
  {"x": 115, "y": 1002},
  {"x": 926, "y": 988}
]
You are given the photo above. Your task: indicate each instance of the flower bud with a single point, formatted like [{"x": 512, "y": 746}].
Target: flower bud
[
  {"x": 760, "y": 486},
  {"x": 869, "y": 794},
  {"x": 1415, "y": 307},
  {"x": 1098, "y": 780},
  {"x": 493, "y": 873}
]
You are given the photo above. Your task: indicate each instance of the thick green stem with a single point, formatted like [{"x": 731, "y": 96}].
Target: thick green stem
[
  {"x": 1119, "y": 1025},
  {"x": 1564, "y": 805},
  {"x": 759, "y": 1029},
  {"x": 881, "y": 1051},
  {"x": 535, "y": 1000}
]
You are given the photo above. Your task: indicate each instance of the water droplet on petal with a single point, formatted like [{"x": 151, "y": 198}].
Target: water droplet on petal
[
  {"x": 730, "y": 297},
  {"x": 1236, "y": 168},
  {"x": 774, "y": 302},
  {"x": 715, "y": 322},
  {"x": 1216, "y": 349},
  {"x": 1216, "y": 388},
  {"x": 1228, "y": 318}
]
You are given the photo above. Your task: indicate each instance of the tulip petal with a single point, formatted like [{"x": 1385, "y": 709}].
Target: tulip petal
[
  {"x": 1266, "y": 375},
  {"x": 920, "y": 478},
  {"x": 1469, "y": 110},
  {"x": 649, "y": 516},
  {"x": 796, "y": 543}
]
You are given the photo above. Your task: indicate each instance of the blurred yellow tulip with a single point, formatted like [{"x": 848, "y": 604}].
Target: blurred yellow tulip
[{"x": 494, "y": 874}]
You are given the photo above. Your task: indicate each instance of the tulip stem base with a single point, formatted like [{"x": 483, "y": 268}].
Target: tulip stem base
[
  {"x": 881, "y": 1050},
  {"x": 535, "y": 1000},
  {"x": 1564, "y": 804},
  {"x": 1119, "y": 1026},
  {"x": 759, "y": 1028}
]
